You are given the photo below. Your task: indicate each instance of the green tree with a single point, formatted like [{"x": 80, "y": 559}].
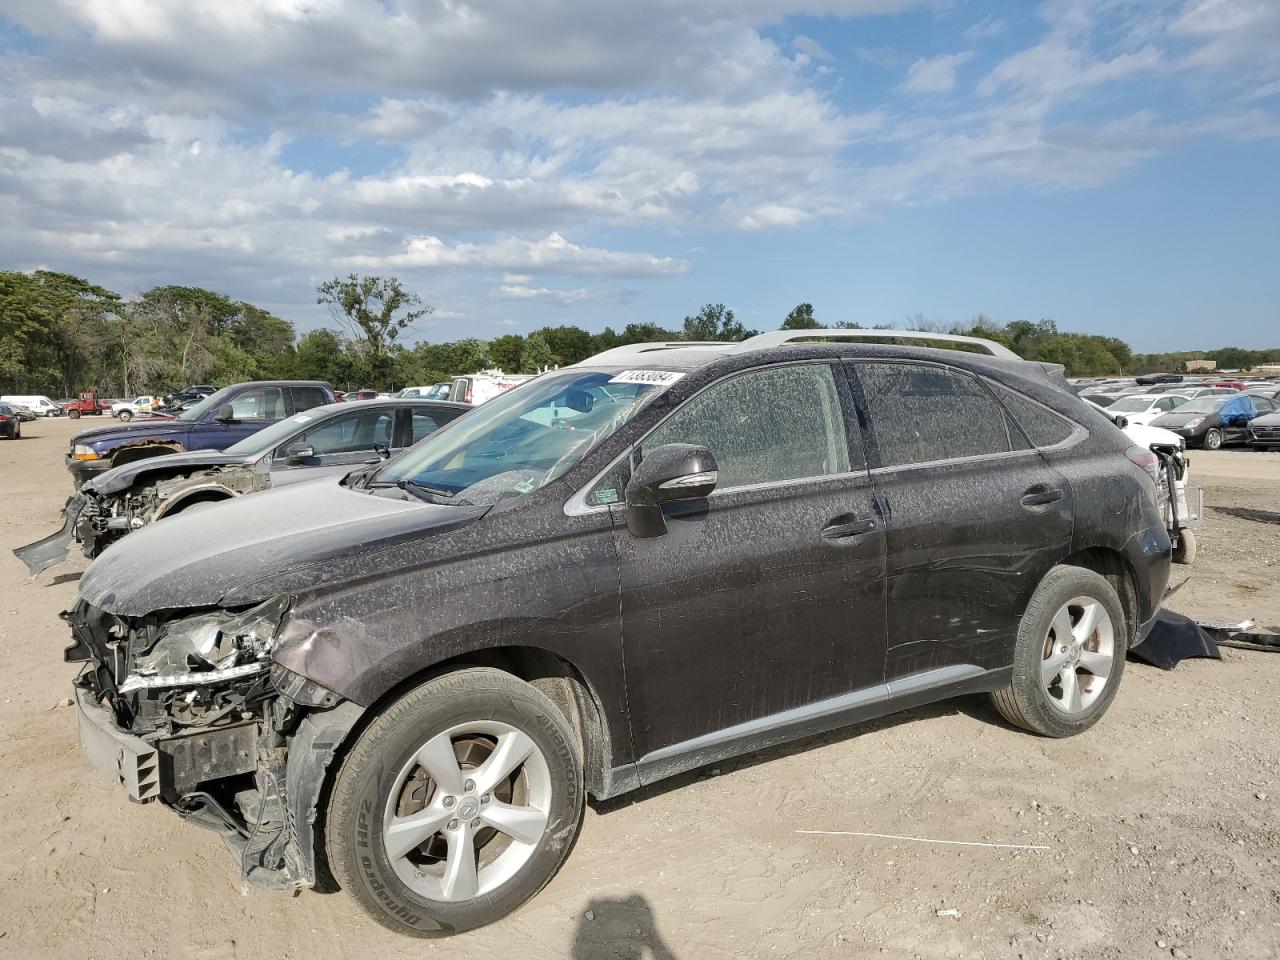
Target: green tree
[
  {"x": 568, "y": 344},
  {"x": 800, "y": 318},
  {"x": 375, "y": 309},
  {"x": 537, "y": 355},
  {"x": 715, "y": 321},
  {"x": 505, "y": 351}
]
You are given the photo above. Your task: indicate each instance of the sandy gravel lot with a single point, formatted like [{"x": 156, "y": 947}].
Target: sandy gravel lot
[{"x": 1161, "y": 823}]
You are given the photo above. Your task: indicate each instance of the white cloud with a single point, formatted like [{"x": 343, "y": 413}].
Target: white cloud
[
  {"x": 514, "y": 291},
  {"x": 811, "y": 48},
  {"x": 551, "y": 254},
  {"x": 935, "y": 74},
  {"x": 473, "y": 139},
  {"x": 770, "y": 216}
]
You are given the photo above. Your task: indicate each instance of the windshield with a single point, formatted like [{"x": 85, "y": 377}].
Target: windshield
[
  {"x": 523, "y": 439},
  {"x": 212, "y": 402},
  {"x": 1130, "y": 405},
  {"x": 1201, "y": 405},
  {"x": 270, "y": 437}
]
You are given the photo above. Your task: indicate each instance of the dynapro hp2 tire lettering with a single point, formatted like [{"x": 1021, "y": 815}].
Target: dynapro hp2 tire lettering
[{"x": 457, "y": 804}]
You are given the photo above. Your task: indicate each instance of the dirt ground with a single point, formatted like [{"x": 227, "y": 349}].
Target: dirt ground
[{"x": 1160, "y": 823}]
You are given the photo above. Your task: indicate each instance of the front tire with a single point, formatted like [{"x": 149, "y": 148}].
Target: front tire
[
  {"x": 125, "y": 416},
  {"x": 1069, "y": 655},
  {"x": 73, "y": 414},
  {"x": 1213, "y": 439},
  {"x": 456, "y": 804}
]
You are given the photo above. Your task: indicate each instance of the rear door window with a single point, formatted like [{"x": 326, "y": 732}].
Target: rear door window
[
  {"x": 304, "y": 398},
  {"x": 427, "y": 422},
  {"x": 921, "y": 413},
  {"x": 259, "y": 403}
]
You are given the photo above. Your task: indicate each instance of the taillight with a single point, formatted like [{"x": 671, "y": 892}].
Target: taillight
[
  {"x": 1147, "y": 460},
  {"x": 467, "y": 397},
  {"x": 4, "y": 419}
]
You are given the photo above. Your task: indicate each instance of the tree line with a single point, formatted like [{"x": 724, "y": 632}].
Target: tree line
[{"x": 60, "y": 334}]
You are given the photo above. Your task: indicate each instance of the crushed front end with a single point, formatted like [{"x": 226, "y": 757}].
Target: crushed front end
[{"x": 191, "y": 711}]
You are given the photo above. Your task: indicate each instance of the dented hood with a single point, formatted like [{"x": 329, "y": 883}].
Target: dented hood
[
  {"x": 124, "y": 477},
  {"x": 134, "y": 430},
  {"x": 229, "y": 553}
]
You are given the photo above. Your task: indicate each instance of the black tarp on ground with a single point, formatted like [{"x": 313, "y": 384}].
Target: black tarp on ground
[{"x": 1174, "y": 638}]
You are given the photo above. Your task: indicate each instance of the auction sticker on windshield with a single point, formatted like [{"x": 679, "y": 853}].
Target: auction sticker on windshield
[{"x": 655, "y": 377}]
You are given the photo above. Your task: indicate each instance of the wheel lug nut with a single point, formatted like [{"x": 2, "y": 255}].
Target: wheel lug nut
[
  {"x": 476, "y": 823},
  {"x": 1062, "y": 649},
  {"x": 469, "y": 785},
  {"x": 453, "y": 824},
  {"x": 485, "y": 798},
  {"x": 449, "y": 801}
]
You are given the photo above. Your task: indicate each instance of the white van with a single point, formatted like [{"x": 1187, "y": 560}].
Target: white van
[
  {"x": 41, "y": 406},
  {"x": 479, "y": 387}
]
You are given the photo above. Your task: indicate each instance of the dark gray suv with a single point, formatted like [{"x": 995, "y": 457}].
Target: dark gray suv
[{"x": 663, "y": 556}]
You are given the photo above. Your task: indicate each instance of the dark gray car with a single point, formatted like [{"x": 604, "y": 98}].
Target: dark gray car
[
  {"x": 663, "y": 556},
  {"x": 321, "y": 442}
]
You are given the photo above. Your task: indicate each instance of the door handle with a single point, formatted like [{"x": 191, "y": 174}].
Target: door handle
[
  {"x": 841, "y": 528},
  {"x": 1040, "y": 495}
]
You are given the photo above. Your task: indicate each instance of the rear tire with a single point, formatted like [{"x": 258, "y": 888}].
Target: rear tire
[
  {"x": 421, "y": 763},
  {"x": 1069, "y": 655},
  {"x": 1185, "y": 551}
]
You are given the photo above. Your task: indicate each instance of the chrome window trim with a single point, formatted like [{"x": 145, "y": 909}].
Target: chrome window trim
[{"x": 577, "y": 506}]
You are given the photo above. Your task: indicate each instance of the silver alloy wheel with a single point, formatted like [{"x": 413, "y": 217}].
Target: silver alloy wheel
[
  {"x": 1079, "y": 650},
  {"x": 465, "y": 840}
]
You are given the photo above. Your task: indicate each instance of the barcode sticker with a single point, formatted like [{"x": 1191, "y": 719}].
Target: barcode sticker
[{"x": 657, "y": 378}]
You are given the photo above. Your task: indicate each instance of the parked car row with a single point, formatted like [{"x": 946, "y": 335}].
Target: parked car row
[{"x": 416, "y": 668}]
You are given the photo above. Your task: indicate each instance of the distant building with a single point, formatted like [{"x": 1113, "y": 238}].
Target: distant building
[
  {"x": 1202, "y": 366},
  {"x": 1268, "y": 368}
]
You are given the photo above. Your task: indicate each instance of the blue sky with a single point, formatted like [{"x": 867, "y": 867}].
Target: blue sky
[{"x": 1107, "y": 163}]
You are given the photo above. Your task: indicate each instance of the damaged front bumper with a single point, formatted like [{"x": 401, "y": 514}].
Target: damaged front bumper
[
  {"x": 242, "y": 749},
  {"x": 53, "y": 549}
]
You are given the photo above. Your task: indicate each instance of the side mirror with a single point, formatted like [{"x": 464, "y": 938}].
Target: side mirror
[
  {"x": 668, "y": 474},
  {"x": 299, "y": 452},
  {"x": 1122, "y": 422},
  {"x": 226, "y": 414},
  {"x": 382, "y": 450}
]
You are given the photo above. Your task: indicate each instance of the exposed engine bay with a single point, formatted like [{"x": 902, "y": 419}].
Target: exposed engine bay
[{"x": 96, "y": 520}]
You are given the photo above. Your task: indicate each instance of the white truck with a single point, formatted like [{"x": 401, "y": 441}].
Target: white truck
[{"x": 126, "y": 410}]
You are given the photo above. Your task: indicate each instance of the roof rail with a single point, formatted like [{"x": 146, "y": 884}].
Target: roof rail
[
  {"x": 615, "y": 354},
  {"x": 775, "y": 338}
]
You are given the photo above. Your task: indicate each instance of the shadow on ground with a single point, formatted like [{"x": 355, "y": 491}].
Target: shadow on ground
[{"x": 619, "y": 928}]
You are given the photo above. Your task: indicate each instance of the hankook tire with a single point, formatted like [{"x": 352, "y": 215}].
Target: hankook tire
[
  {"x": 1069, "y": 655},
  {"x": 457, "y": 804}
]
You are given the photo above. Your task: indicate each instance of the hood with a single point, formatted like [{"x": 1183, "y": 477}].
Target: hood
[
  {"x": 1175, "y": 419},
  {"x": 132, "y": 430},
  {"x": 1266, "y": 420},
  {"x": 1144, "y": 436},
  {"x": 302, "y": 534},
  {"x": 122, "y": 478}
]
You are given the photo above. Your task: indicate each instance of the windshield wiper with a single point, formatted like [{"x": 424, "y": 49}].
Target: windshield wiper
[{"x": 423, "y": 492}]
